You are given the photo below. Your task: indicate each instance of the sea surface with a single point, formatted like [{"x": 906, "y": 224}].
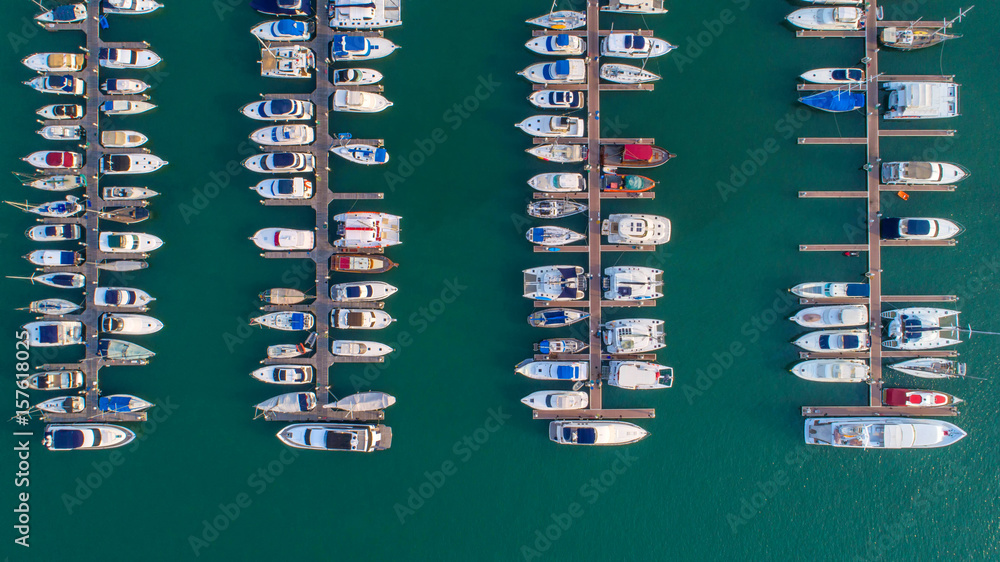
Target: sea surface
[{"x": 470, "y": 476}]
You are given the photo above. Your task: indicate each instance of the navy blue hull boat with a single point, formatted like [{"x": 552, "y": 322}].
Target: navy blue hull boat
[
  {"x": 283, "y": 7},
  {"x": 835, "y": 101}
]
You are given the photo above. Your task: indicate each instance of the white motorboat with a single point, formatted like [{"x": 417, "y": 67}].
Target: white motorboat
[
  {"x": 284, "y": 239},
  {"x": 55, "y": 62},
  {"x": 634, "y": 335},
  {"x": 356, "y": 77},
  {"x": 834, "y": 340},
  {"x": 62, "y": 85},
  {"x": 281, "y": 162},
  {"x": 357, "y": 438},
  {"x": 832, "y": 370},
  {"x": 122, "y": 297},
  {"x": 129, "y": 324},
  {"x": 128, "y": 242},
  {"x": 62, "y": 405},
  {"x": 840, "y": 18},
  {"x": 53, "y": 333},
  {"x": 292, "y": 188},
  {"x": 130, "y": 7},
  {"x": 56, "y": 380},
  {"x": 128, "y": 58},
  {"x": 918, "y": 328},
  {"x": 294, "y": 61},
  {"x": 835, "y": 316},
  {"x": 61, "y": 132},
  {"x": 825, "y": 290},
  {"x": 287, "y": 321},
  {"x": 123, "y": 86},
  {"x": 122, "y": 139},
  {"x": 135, "y": 163},
  {"x": 283, "y": 30},
  {"x": 353, "y": 101},
  {"x": 930, "y": 368},
  {"x": 881, "y": 433},
  {"x": 627, "y": 74},
  {"x": 918, "y": 228},
  {"x": 557, "y": 99},
  {"x": 354, "y": 48},
  {"x": 631, "y": 283},
  {"x": 127, "y": 193},
  {"x": 555, "y": 208},
  {"x": 61, "y": 111},
  {"x": 556, "y": 400},
  {"x": 565, "y": 19},
  {"x": 552, "y": 236},
  {"x": 554, "y": 370},
  {"x": 85, "y": 436},
  {"x": 632, "y": 46},
  {"x": 54, "y": 160},
  {"x": 121, "y": 107},
  {"x": 918, "y": 398},
  {"x": 284, "y": 135},
  {"x": 54, "y": 232},
  {"x": 363, "y": 402},
  {"x": 552, "y": 126},
  {"x": 640, "y": 375},
  {"x": 54, "y": 258},
  {"x": 355, "y": 348},
  {"x": 367, "y": 230},
  {"x": 66, "y": 13},
  {"x": 364, "y": 154},
  {"x": 364, "y": 14},
  {"x": 359, "y": 319},
  {"x": 921, "y": 100},
  {"x": 284, "y": 374},
  {"x": 636, "y": 229},
  {"x": 561, "y": 44},
  {"x": 922, "y": 173},
  {"x": 279, "y": 110},
  {"x": 291, "y": 403},
  {"x": 555, "y": 283},
  {"x": 635, "y": 7},
  {"x": 558, "y": 183},
  {"x": 568, "y": 71},
  {"x": 595, "y": 433},
  {"x": 361, "y": 291},
  {"x": 559, "y": 153},
  {"x": 835, "y": 76}
]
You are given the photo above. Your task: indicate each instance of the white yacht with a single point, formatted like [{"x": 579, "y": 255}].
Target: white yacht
[
  {"x": 556, "y": 400},
  {"x": 632, "y": 46},
  {"x": 127, "y": 193},
  {"x": 290, "y": 403},
  {"x": 627, "y": 74},
  {"x": 62, "y": 405},
  {"x": 66, "y": 13},
  {"x": 364, "y": 154},
  {"x": 358, "y": 438},
  {"x": 834, "y": 316},
  {"x": 122, "y": 297},
  {"x": 636, "y": 229},
  {"x": 122, "y": 139},
  {"x": 557, "y": 99},
  {"x": 353, "y": 101},
  {"x": 832, "y": 370},
  {"x": 284, "y": 239},
  {"x": 355, "y": 348},
  {"x": 552, "y": 236},
  {"x": 61, "y": 132},
  {"x": 559, "y": 153},
  {"x": 359, "y": 319},
  {"x": 51, "y": 333},
  {"x": 54, "y": 258},
  {"x": 568, "y": 71},
  {"x": 284, "y": 374},
  {"x": 294, "y": 61},
  {"x": 55, "y": 380},
  {"x": 122, "y": 107},
  {"x": 554, "y": 208},
  {"x": 287, "y": 321},
  {"x": 841, "y": 18},
  {"x": 361, "y": 291},
  {"x": 77, "y": 436},
  {"x": 283, "y": 30},
  {"x": 130, "y": 7},
  {"x": 918, "y": 328},
  {"x": 631, "y": 283},
  {"x": 595, "y": 433},
  {"x": 291, "y": 188},
  {"x": 881, "y": 433},
  {"x": 279, "y": 110},
  {"x": 54, "y": 160},
  {"x": 835, "y": 340},
  {"x": 54, "y": 232},
  {"x": 825, "y": 290},
  {"x": 123, "y": 86},
  {"x": 565, "y": 19},
  {"x": 640, "y": 375},
  {"x": 558, "y": 183},
  {"x": 137, "y": 163},
  {"x": 281, "y": 163},
  {"x": 553, "y": 126},
  {"x": 634, "y": 335},
  {"x": 555, "y": 283},
  {"x": 354, "y": 47},
  {"x": 561, "y": 44},
  {"x": 128, "y": 58},
  {"x": 918, "y": 228},
  {"x": 129, "y": 324},
  {"x": 61, "y": 111},
  {"x": 835, "y": 76},
  {"x": 63, "y": 85},
  {"x": 364, "y": 14},
  {"x": 921, "y": 100},
  {"x": 284, "y": 135},
  {"x": 554, "y": 370},
  {"x": 367, "y": 230},
  {"x": 356, "y": 77},
  {"x": 922, "y": 173}
]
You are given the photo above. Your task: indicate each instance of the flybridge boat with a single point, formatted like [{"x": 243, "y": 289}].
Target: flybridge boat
[
  {"x": 284, "y": 135},
  {"x": 128, "y": 242},
  {"x": 359, "y": 319},
  {"x": 634, "y": 6},
  {"x": 552, "y": 126},
  {"x": 633, "y": 155},
  {"x": 561, "y": 44},
  {"x": 560, "y": 20},
  {"x": 881, "y": 433},
  {"x": 54, "y": 232},
  {"x": 119, "y": 86},
  {"x": 283, "y": 7},
  {"x": 558, "y": 183},
  {"x": 634, "y": 335},
  {"x": 555, "y": 208},
  {"x": 836, "y": 316},
  {"x": 825, "y": 290},
  {"x": 120, "y": 297},
  {"x": 557, "y": 99},
  {"x": 128, "y": 58},
  {"x": 912, "y": 228},
  {"x": 556, "y": 317},
  {"x": 348, "y": 263},
  {"x": 54, "y": 258},
  {"x": 922, "y": 328},
  {"x": 353, "y": 348},
  {"x": 279, "y": 110},
  {"x": 286, "y": 321},
  {"x": 363, "y": 291},
  {"x": 910, "y": 398},
  {"x": 627, "y": 74},
  {"x": 364, "y": 154},
  {"x": 80, "y": 436},
  {"x": 281, "y": 162},
  {"x": 356, "y": 77},
  {"x": 56, "y": 380},
  {"x": 139, "y": 163},
  {"x": 119, "y": 349},
  {"x": 835, "y": 101},
  {"x": 364, "y": 14},
  {"x": 294, "y": 188},
  {"x": 127, "y": 193},
  {"x": 552, "y": 236},
  {"x": 122, "y": 139},
  {"x": 67, "y": 13},
  {"x": 632, "y": 46},
  {"x": 295, "y": 61},
  {"x": 354, "y": 47},
  {"x": 630, "y": 283},
  {"x": 921, "y": 100},
  {"x": 828, "y": 19},
  {"x": 284, "y": 374},
  {"x": 628, "y": 184},
  {"x": 352, "y": 101},
  {"x": 554, "y": 370},
  {"x": 65, "y": 85},
  {"x": 120, "y": 107},
  {"x": 930, "y": 368},
  {"x": 130, "y": 7},
  {"x": 367, "y": 230},
  {"x": 356, "y": 438},
  {"x": 53, "y": 333},
  {"x": 283, "y": 30},
  {"x": 559, "y": 153},
  {"x": 595, "y": 433},
  {"x": 61, "y": 111},
  {"x": 922, "y": 173},
  {"x": 835, "y": 340},
  {"x": 560, "y": 345},
  {"x": 569, "y": 71},
  {"x": 61, "y": 132},
  {"x": 54, "y": 160},
  {"x": 284, "y": 239},
  {"x": 640, "y": 375},
  {"x": 129, "y": 324},
  {"x": 835, "y": 76},
  {"x": 832, "y": 370},
  {"x": 291, "y": 403},
  {"x": 636, "y": 229},
  {"x": 556, "y": 400},
  {"x": 555, "y": 283},
  {"x": 62, "y": 405}
]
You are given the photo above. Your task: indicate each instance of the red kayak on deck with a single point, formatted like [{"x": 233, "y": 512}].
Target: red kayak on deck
[{"x": 918, "y": 398}]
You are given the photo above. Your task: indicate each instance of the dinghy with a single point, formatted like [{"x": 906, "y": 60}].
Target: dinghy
[
  {"x": 633, "y": 155},
  {"x": 122, "y": 297},
  {"x": 354, "y": 48},
  {"x": 832, "y": 370},
  {"x": 61, "y": 85},
  {"x": 281, "y": 163},
  {"x": 56, "y": 182},
  {"x": 292, "y": 188},
  {"x": 636, "y": 229},
  {"x": 556, "y": 400},
  {"x": 560, "y": 346},
  {"x": 85, "y": 436},
  {"x": 835, "y": 101},
  {"x": 53, "y": 307},
  {"x": 365, "y": 154},
  {"x": 54, "y": 232},
  {"x": 358, "y": 438},
  {"x": 348, "y": 263},
  {"x": 67, "y": 13},
  {"x": 367, "y": 230},
  {"x": 282, "y": 296},
  {"x": 633, "y": 335},
  {"x": 286, "y": 321},
  {"x": 353, "y": 101},
  {"x": 640, "y": 375},
  {"x": 128, "y": 242},
  {"x": 911, "y": 398},
  {"x": 832, "y": 341},
  {"x": 127, "y": 193},
  {"x": 568, "y": 71},
  {"x": 130, "y": 7},
  {"x": 552, "y": 126},
  {"x": 632, "y": 283},
  {"x": 135, "y": 59},
  {"x": 359, "y": 319},
  {"x": 554, "y": 370},
  {"x": 120, "y": 107},
  {"x": 559, "y": 153},
  {"x": 555, "y": 208},
  {"x": 123, "y": 86},
  {"x": 294, "y": 61},
  {"x": 54, "y": 160},
  {"x": 61, "y": 111},
  {"x": 361, "y": 291},
  {"x": 284, "y": 239},
  {"x": 62, "y": 405},
  {"x": 922, "y": 173},
  {"x": 836, "y": 316},
  {"x": 354, "y": 348},
  {"x": 595, "y": 433},
  {"x": 283, "y": 30},
  {"x": 881, "y": 433},
  {"x": 632, "y": 46},
  {"x": 552, "y": 236},
  {"x": 284, "y": 135},
  {"x": 558, "y": 183},
  {"x": 930, "y": 368},
  {"x": 356, "y": 77},
  {"x": 61, "y": 132},
  {"x": 291, "y": 403},
  {"x": 54, "y": 333},
  {"x": 279, "y": 110},
  {"x": 560, "y": 44},
  {"x": 557, "y": 99},
  {"x": 835, "y": 76},
  {"x": 626, "y": 74},
  {"x": 363, "y": 402},
  {"x": 129, "y": 324},
  {"x": 284, "y": 374},
  {"x": 122, "y": 139},
  {"x": 556, "y": 317},
  {"x": 56, "y": 380},
  {"x": 54, "y": 258},
  {"x": 565, "y": 19},
  {"x": 122, "y": 350}
]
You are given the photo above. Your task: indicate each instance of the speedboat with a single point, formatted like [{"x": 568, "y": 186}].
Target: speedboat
[
  {"x": 367, "y": 14},
  {"x": 552, "y": 126},
  {"x": 922, "y": 173},
  {"x": 127, "y": 193},
  {"x": 291, "y": 403},
  {"x": 128, "y": 58},
  {"x": 918, "y": 328},
  {"x": 832, "y": 370},
  {"x": 557, "y": 99},
  {"x": 53, "y": 333},
  {"x": 595, "y": 433},
  {"x": 356, "y": 77},
  {"x": 555, "y": 283},
  {"x": 627, "y": 184},
  {"x": 123, "y": 86},
  {"x": 358, "y": 438},
  {"x": 632, "y": 46},
  {"x": 910, "y": 398},
  {"x": 56, "y": 380},
  {"x": 54, "y": 160},
  {"x": 881, "y": 433},
  {"x": 361, "y": 291},
  {"x": 635, "y": 7},
  {"x": 120, "y": 107},
  {"x": 565, "y": 19},
  {"x": 283, "y": 7},
  {"x": 640, "y": 375},
  {"x": 279, "y": 110},
  {"x": 556, "y": 317},
  {"x": 627, "y": 74},
  {"x": 122, "y": 139},
  {"x": 633, "y": 155},
  {"x": 284, "y": 135},
  {"x": 67, "y": 13},
  {"x": 54, "y": 209},
  {"x": 559, "y": 153},
  {"x": 134, "y": 163},
  {"x": 911, "y": 228},
  {"x": 114, "y": 350},
  {"x": 294, "y": 61},
  {"x": 281, "y": 162},
  {"x": 92, "y": 436},
  {"x": 835, "y": 76},
  {"x": 290, "y": 350},
  {"x": 355, "y": 47},
  {"x": 351, "y": 263},
  {"x": 130, "y": 7},
  {"x": 61, "y": 132},
  {"x": 552, "y": 236},
  {"x": 568, "y": 71},
  {"x": 293, "y": 188},
  {"x": 283, "y": 30},
  {"x": 128, "y": 242},
  {"x": 287, "y": 321},
  {"x": 122, "y": 297},
  {"x": 354, "y": 348},
  {"x": 921, "y": 100},
  {"x": 554, "y": 370},
  {"x": 556, "y": 400},
  {"x": 558, "y": 183},
  {"x": 825, "y": 290},
  {"x": 560, "y": 346},
  {"x": 62, "y": 405},
  {"x": 365, "y": 154},
  {"x": 636, "y": 229},
  {"x": 634, "y": 335},
  {"x": 631, "y": 283},
  {"x": 367, "y": 230},
  {"x": 123, "y": 403},
  {"x": 560, "y": 44},
  {"x": 353, "y": 101},
  {"x": 59, "y": 182},
  {"x": 835, "y": 101},
  {"x": 359, "y": 319},
  {"x": 835, "y": 316},
  {"x": 555, "y": 208},
  {"x": 54, "y": 232},
  {"x": 841, "y": 18},
  {"x": 66, "y": 85},
  {"x": 61, "y": 280},
  {"x": 912, "y": 38},
  {"x": 61, "y": 111},
  {"x": 53, "y": 307},
  {"x": 54, "y": 258},
  {"x": 930, "y": 368},
  {"x": 835, "y": 340},
  {"x": 129, "y": 324},
  {"x": 284, "y": 374}
]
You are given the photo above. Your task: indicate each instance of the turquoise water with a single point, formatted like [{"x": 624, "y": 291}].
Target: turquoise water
[{"x": 724, "y": 476}]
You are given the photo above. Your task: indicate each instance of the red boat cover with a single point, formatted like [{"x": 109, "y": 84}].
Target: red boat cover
[
  {"x": 59, "y": 158},
  {"x": 635, "y": 152},
  {"x": 342, "y": 262}
]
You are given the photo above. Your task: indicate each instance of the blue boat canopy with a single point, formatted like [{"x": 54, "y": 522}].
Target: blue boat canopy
[
  {"x": 48, "y": 334},
  {"x": 565, "y": 372},
  {"x": 303, "y": 402},
  {"x": 381, "y": 155},
  {"x": 851, "y": 342},
  {"x": 835, "y": 101},
  {"x": 281, "y": 107},
  {"x": 562, "y": 67},
  {"x": 282, "y": 159},
  {"x": 67, "y": 439},
  {"x": 297, "y": 321},
  {"x": 64, "y": 13},
  {"x": 891, "y": 228},
  {"x": 824, "y": 342},
  {"x": 544, "y": 347},
  {"x": 114, "y": 404},
  {"x": 537, "y": 234},
  {"x": 586, "y": 435},
  {"x": 919, "y": 227},
  {"x": 635, "y": 42},
  {"x": 353, "y": 292},
  {"x": 858, "y": 290},
  {"x": 283, "y": 187},
  {"x": 291, "y": 27}
]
